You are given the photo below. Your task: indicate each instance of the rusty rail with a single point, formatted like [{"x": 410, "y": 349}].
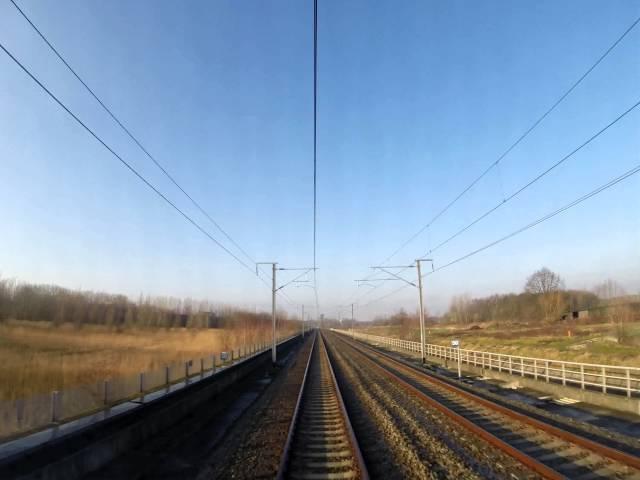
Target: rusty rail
[{"x": 598, "y": 448}]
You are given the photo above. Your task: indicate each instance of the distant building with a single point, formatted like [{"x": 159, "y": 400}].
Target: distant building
[{"x": 576, "y": 315}]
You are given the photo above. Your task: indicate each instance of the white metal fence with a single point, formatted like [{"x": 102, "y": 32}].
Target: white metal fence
[
  {"x": 609, "y": 379},
  {"x": 39, "y": 411}
]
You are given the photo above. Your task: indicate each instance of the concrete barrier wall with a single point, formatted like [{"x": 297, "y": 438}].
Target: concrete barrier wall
[{"x": 89, "y": 449}]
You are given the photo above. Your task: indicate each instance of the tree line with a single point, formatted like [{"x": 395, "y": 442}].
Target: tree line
[
  {"x": 58, "y": 305},
  {"x": 546, "y": 299},
  {"x": 543, "y": 299}
]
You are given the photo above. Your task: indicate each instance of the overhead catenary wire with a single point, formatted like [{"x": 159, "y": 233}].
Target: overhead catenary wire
[
  {"x": 572, "y": 204},
  {"x": 141, "y": 146},
  {"x": 536, "y": 178},
  {"x": 522, "y": 188},
  {"x": 133, "y": 170},
  {"x": 126, "y": 164},
  {"x": 508, "y": 150},
  {"x": 544, "y": 218},
  {"x": 315, "y": 128},
  {"x": 295, "y": 279},
  {"x": 515, "y": 194},
  {"x": 524, "y": 135},
  {"x": 315, "y": 150},
  {"x": 129, "y": 134}
]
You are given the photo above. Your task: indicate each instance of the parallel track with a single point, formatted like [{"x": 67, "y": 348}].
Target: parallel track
[
  {"x": 545, "y": 449},
  {"x": 321, "y": 443}
]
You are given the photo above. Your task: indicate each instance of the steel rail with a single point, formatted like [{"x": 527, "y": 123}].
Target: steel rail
[
  {"x": 284, "y": 459},
  {"x": 358, "y": 467},
  {"x": 364, "y": 474},
  {"x": 513, "y": 452},
  {"x": 596, "y": 447}
]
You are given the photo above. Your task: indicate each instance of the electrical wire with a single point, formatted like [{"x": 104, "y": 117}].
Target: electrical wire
[
  {"x": 524, "y": 187},
  {"x": 122, "y": 161},
  {"x": 577, "y": 201},
  {"x": 536, "y": 178},
  {"x": 315, "y": 149},
  {"x": 128, "y": 132},
  {"x": 526, "y": 133},
  {"x": 315, "y": 129}
]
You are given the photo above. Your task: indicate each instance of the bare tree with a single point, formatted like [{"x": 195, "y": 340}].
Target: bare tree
[
  {"x": 547, "y": 285},
  {"x": 609, "y": 289},
  {"x": 620, "y": 316},
  {"x": 459, "y": 308},
  {"x": 543, "y": 281}
]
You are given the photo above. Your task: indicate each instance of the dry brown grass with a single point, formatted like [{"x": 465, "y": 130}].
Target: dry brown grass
[
  {"x": 588, "y": 343},
  {"x": 36, "y": 357}
]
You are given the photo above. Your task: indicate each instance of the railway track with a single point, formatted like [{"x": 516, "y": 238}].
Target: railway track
[
  {"x": 321, "y": 443},
  {"x": 544, "y": 449}
]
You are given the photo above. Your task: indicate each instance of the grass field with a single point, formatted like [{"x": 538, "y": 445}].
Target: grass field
[
  {"x": 36, "y": 357},
  {"x": 589, "y": 343}
]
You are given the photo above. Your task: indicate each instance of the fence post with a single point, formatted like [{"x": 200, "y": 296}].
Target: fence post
[
  {"x": 213, "y": 368},
  {"x": 20, "y": 411},
  {"x": 167, "y": 375},
  {"x": 582, "y": 376},
  {"x": 499, "y": 362},
  {"x": 105, "y": 392},
  {"x": 564, "y": 375},
  {"x": 202, "y": 368},
  {"x": 604, "y": 380},
  {"x": 546, "y": 369},
  {"x": 535, "y": 369},
  {"x": 510, "y": 366},
  {"x": 186, "y": 372},
  {"x": 141, "y": 385},
  {"x": 628, "y": 382},
  {"x": 55, "y": 406}
]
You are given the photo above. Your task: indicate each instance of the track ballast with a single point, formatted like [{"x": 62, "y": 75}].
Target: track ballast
[{"x": 321, "y": 443}]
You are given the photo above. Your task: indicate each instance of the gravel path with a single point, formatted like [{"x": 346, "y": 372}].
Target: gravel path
[{"x": 401, "y": 438}]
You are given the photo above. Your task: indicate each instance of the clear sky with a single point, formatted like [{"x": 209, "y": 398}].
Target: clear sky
[{"x": 415, "y": 99}]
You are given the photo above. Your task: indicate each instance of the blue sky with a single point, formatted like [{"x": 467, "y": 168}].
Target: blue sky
[{"x": 415, "y": 100}]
